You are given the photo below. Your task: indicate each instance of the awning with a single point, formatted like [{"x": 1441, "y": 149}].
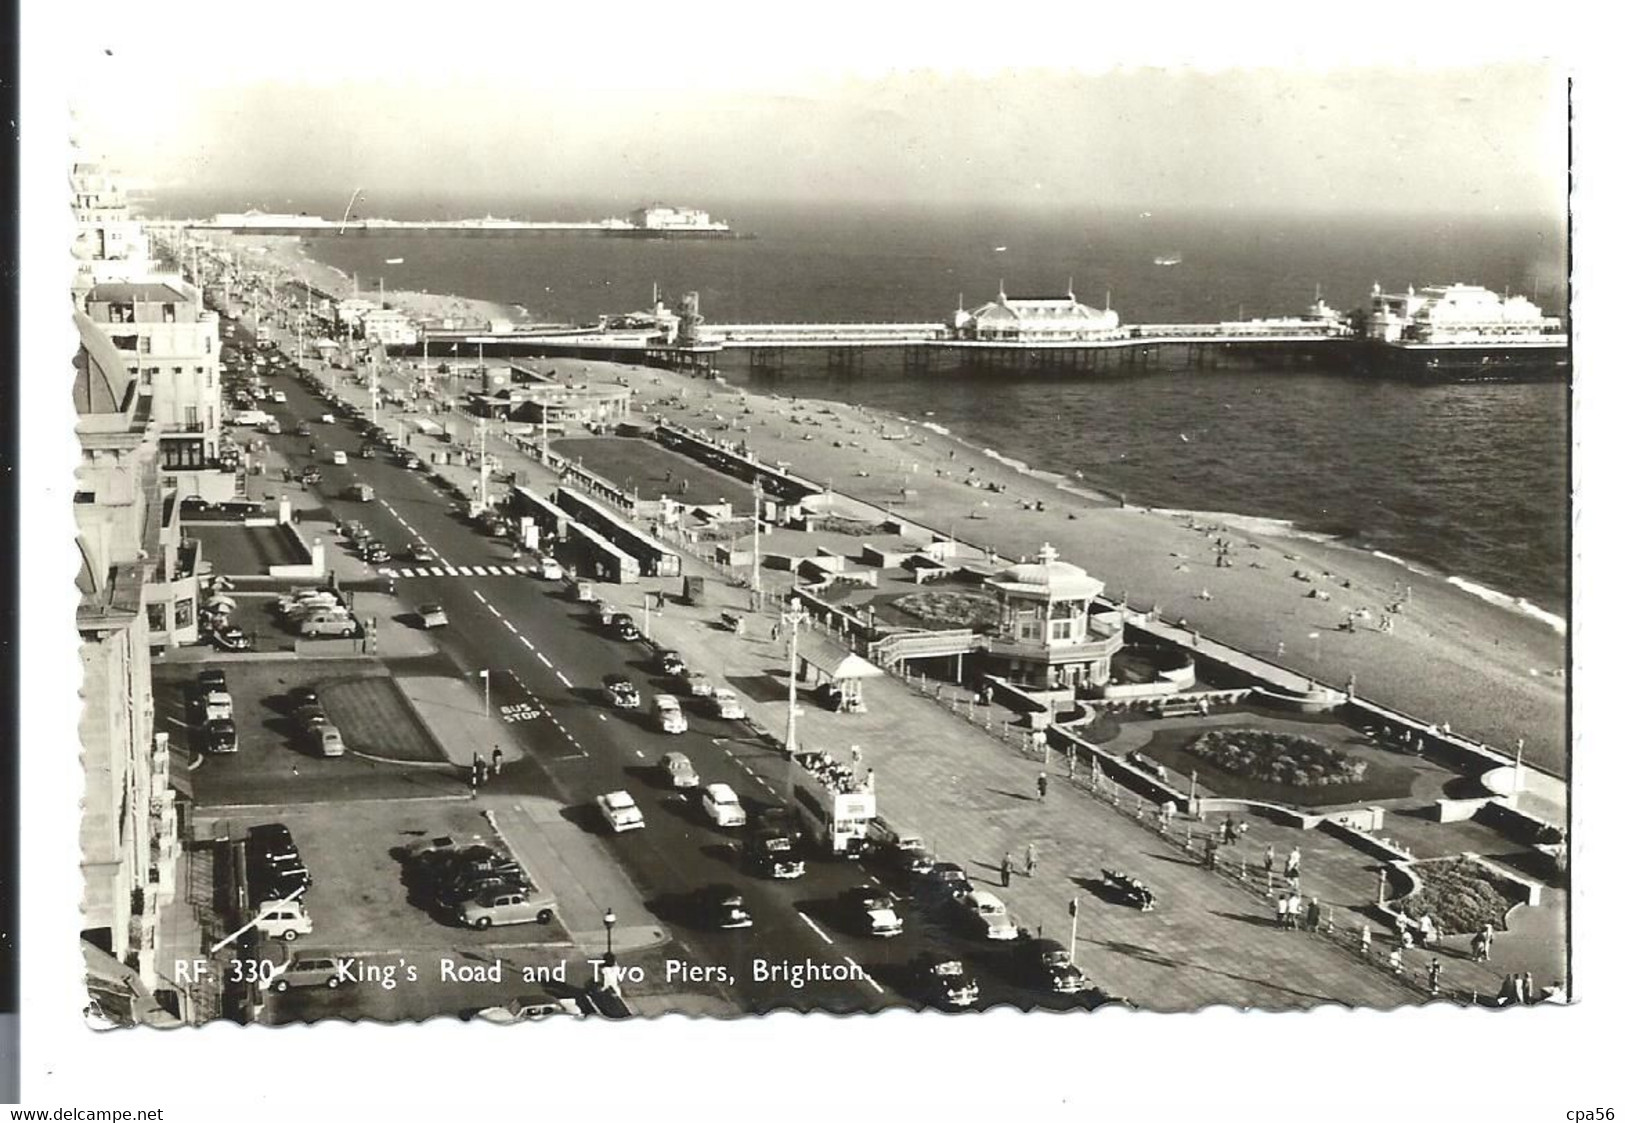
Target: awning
[{"x": 833, "y": 661}]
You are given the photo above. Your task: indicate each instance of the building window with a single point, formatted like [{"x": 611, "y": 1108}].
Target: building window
[
  {"x": 178, "y": 455},
  {"x": 183, "y": 613},
  {"x": 155, "y": 619},
  {"x": 191, "y": 417},
  {"x": 1060, "y": 630},
  {"x": 144, "y": 344}
]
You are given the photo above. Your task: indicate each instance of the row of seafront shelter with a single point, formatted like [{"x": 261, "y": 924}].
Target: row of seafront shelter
[{"x": 602, "y": 542}]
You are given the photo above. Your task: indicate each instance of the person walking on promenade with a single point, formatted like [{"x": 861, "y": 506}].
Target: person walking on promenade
[
  {"x": 1312, "y": 915},
  {"x": 1365, "y": 939},
  {"x": 857, "y": 756},
  {"x": 1489, "y": 940},
  {"x": 1530, "y": 997},
  {"x": 1433, "y": 977},
  {"x": 1006, "y": 868},
  {"x": 1032, "y": 859},
  {"x": 1481, "y": 948},
  {"x": 1280, "y": 910},
  {"x": 1396, "y": 961},
  {"x": 496, "y": 762},
  {"x": 1210, "y": 852},
  {"x": 1294, "y": 912},
  {"x": 1043, "y": 785},
  {"x": 1293, "y": 861},
  {"x": 1269, "y": 862}
]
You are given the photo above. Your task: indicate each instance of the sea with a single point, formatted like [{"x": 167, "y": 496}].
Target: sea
[{"x": 1469, "y": 481}]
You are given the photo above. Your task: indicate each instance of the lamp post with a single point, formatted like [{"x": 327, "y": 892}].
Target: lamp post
[
  {"x": 756, "y": 543},
  {"x": 486, "y": 675},
  {"x": 609, "y": 933},
  {"x": 793, "y": 619}
]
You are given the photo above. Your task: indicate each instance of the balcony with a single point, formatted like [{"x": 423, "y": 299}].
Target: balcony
[{"x": 1098, "y": 645}]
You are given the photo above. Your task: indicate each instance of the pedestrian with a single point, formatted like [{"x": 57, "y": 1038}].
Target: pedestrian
[
  {"x": 1481, "y": 952},
  {"x": 1210, "y": 852},
  {"x": 1032, "y": 859},
  {"x": 1006, "y": 867},
  {"x": 1043, "y": 785},
  {"x": 1433, "y": 976},
  {"x": 857, "y": 756},
  {"x": 1280, "y": 910},
  {"x": 1518, "y": 995},
  {"x": 1365, "y": 939},
  {"x": 1293, "y": 860},
  {"x": 1269, "y": 861},
  {"x": 773, "y": 633},
  {"x": 1406, "y": 940},
  {"x": 496, "y": 762},
  {"x": 1529, "y": 995},
  {"x": 1312, "y": 914},
  {"x": 1489, "y": 940},
  {"x": 1229, "y": 831},
  {"x": 1396, "y": 961},
  {"x": 1294, "y": 911}
]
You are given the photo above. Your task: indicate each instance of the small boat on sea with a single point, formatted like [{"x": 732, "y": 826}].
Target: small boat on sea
[
  {"x": 393, "y": 260},
  {"x": 1169, "y": 259},
  {"x": 1000, "y": 249}
]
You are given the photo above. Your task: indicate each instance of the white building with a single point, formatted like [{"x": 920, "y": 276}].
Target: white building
[
  {"x": 109, "y": 244},
  {"x": 659, "y": 216},
  {"x": 390, "y": 327},
  {"x": 1042, "y": 319},
  {"x": 1458, "y": 314},
  {"x": 172, "y": 346}
]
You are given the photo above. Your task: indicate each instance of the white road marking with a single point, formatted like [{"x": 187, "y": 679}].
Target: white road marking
[
  {"x": 479, "y": 570},
  {"x": 601, "y": 717},
  {"x": 808, "y": 921},
  {"x": 864, "y": 975},
  {"x": 639, "y": 753},
  {"x": 546, "y": 662},
  {"x": 509, "y": 625},
  {"x": 435, "y": 571},
  {"x": 567, "y": 683},
  {"x": 526, "y": 641}
]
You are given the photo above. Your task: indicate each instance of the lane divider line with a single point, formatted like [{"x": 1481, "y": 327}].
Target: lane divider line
[
  {"x": 808, "y": 921},
  {"x": 864, "y": 975},
  {"x": 567, "y": 683}
]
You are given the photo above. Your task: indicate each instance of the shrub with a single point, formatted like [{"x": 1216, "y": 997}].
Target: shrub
[
  {"x": 944, "y": 608},
  {"x": 1462, "y": 895},
  {"x": 1277, "y": 758}
]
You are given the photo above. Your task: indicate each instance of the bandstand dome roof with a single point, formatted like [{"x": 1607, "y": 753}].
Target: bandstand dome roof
[{"x": 1051, "y": 577}]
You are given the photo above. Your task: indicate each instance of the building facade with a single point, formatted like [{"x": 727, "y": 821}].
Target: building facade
[
  {"x": 1459, "y": 314},
  {"x": 109, "y": 243},
  {"x": 128, "y": 831},
  {"x": 388, "y": 326}
]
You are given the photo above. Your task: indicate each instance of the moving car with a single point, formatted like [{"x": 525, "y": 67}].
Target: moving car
[
  {"x": 622, "y": 694},
  {"x": 985, "y": 914},
  {"x": 419, "y": 553},
  {"x": 1046, "y": 965},
  {"x": 620, "y": 812},
  {"x": 361, "y": 493},
  {"x": 308, "y": 971},
  {"x": 771, "y": 852},
  {"x": 696, "y": 683},
  {"x": 552, "y": 570},
  {"x": 721, "y": 906},
  {"x": 671, "y": 663},
  {"x": 722, "y": 805},
  {"x": 622, "y": 625},
  {"x": 871, "y": 911},
  {"x": 432, "y": 616},
  {"x": 222, "y": 734},
  {"x": 669, "y": 714},
  {"x": 506, "y": 906},
  {"x": 943, "y": 981},
  {"x": 726, "y": 704},
  {"x": 679, "y": 771},
  {"x": 340, "y": 456},
  {"x": 302, "y": 429},
  {"x": 949, "y": 878}
]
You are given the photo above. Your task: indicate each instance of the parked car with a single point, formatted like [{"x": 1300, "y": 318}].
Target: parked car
[
  {"x": 622, "y": 694},
  {"x": 361, "y": 493},
  {"x": 302, "y": 429},
  {"x": 1045, "y": 965},
  {"x": 949, "y": 878},
  {"x": 308, "y": 971},
  {"x": 211, "y": 680},
  {"x": 620, "y": 812},
  {"x": 679, "y": 771},
  {"x": 669, "y": 715},
  {"x": 327, "y": 740},
  {"x": 340, "y": 456},
  {"x": 506, "y": 906},
  {"x": 271, "y": 840},
  {"x": 329, "y": 627},
  {"x": 217, "y": 706},
  {"x": 943, "y": 981},
  {"x": 432, "y": 616},
  {"x": 528, "y": 1009},
  {"x": 871, "y": 911},
  {"x": 985, "y": 915},
  {"x": 722, "y": 805},
  {"x": 671, "y": 663},
  {"x": 222, "y": 735},
  {"x": 284, "y": 920},
  {"x": 725, "y": 703},
  {"x": 696, "y": 683},
  {"x": 722, "y": 906},
  {"x": 229, "y": 637}
]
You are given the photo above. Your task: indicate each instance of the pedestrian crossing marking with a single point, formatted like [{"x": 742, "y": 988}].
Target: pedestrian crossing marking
[{"x": 459, "y": 571}]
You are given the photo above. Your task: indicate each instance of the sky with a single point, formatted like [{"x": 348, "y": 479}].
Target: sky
[{"x": 709, "y": 105}]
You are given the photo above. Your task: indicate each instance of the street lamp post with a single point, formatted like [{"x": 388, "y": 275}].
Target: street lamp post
[
  {"x": 609, "y": 933},
  {"x": 756, "y": 543},
  {"x": 793, "y": 619},
  {"x": 486, "y": 675}
]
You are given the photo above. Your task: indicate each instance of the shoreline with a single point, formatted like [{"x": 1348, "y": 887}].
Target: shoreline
[{"x": 1461, "y": 653}]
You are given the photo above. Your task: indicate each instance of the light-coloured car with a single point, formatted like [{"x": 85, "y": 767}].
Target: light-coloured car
[
  {"x": 217, "y": 706},
  {"x": 327, "y": 739},
  {"x": 726, "y": 704},
  {"x": 873, "y": 911},
  {"x": 679, "y": 771},
  {"x": 284, "y": 920},
  {"x": 986, "y": 914},
  {"x": 552, "y": 570},
  {"x": 528, "y": 1009},
  {"x": 432, "y": 616},
  {"x": 505, "y": 906},
  {"x": 308, "y": 970},
  {"x": 669, "y": 714},
  {"x": 329, "y": 626},
  {"x": 723, "y": 806},
  {"x": 620, "y": 812},
  {"x": 697, "y": 684},
  {"x": 280, "y": 397},
  {"x": 340, "y": 456}
]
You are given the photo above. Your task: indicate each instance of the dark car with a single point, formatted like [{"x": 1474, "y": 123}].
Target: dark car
[
  {"x": 222, "y": 735},
  {"x": 229, "y": 637},
  {"x": 622, "y": 694},
  {"x": 366, "y": 452},
  {"x": 943, "y": 981},
  {"x": 671, "y": 663},
  {"x": 302, "y": 429},
  {"x": 302, "y": 696},
  {"x": 275, "y": 882},
  {"x": 722, "y": 906},
  {"x": 1045, "y": 965},
  {"x": 271, "y": 840},
  {"x": 948, "y": 878},
  {"x": 375, "y": 552},
  {"x": 774, "y": 854},
  {"x": 482, "y": 860},
  {"x": 453, "y": 894},
  {"x": 211, "y": 680}
]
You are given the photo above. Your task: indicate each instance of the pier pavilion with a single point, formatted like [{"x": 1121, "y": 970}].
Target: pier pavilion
[{"x": 1039, "y": 319}]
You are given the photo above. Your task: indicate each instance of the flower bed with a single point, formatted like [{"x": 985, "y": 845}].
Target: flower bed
[
  {"x": 1277, "y": 758},
  {"x": 1461, "y": 895},
  {"x": 945, "y": 608}
]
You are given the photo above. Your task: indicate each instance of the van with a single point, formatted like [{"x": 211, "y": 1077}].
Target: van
[{"x": 251, "y": 417}]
